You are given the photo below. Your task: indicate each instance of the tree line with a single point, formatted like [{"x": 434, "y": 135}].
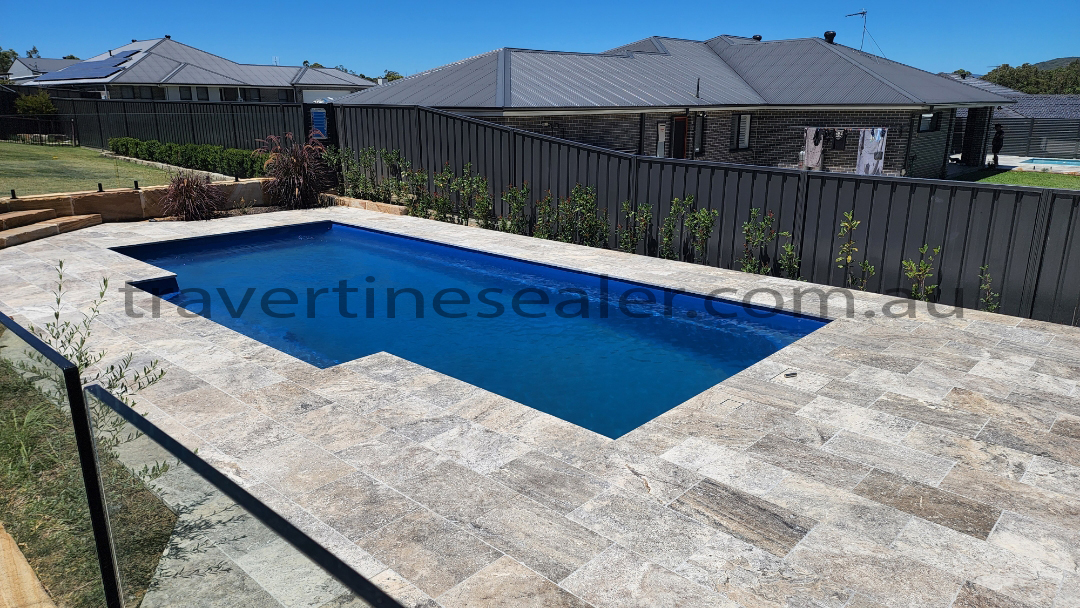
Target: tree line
[{"x": 1028, "y": 78}]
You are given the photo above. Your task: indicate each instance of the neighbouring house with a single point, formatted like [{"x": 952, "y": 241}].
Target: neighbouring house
[
  {"x": 730, "y": 99},
  {"x": 1035, "y": 124},
  {"x": 29, "y": 68},
  {"x": 164, "y": 69}
]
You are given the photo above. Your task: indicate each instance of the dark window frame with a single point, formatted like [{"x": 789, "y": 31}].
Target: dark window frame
[
  {"x": 185, "y": 93},
  {"x": 146, "y": 93},
  {"x": 202, "y": 93},
  {"x": 929, "y": 122},
  {"x": 737, "y": 128}
]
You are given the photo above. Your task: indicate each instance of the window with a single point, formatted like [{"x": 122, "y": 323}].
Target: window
[
  {"x": 202, "y": 93},
  {"x": 251, "y": 94},
  {"x": 699, "y": 133},
  {"x": 185, "y": 93},
  {"x": 146, "y": 92},
  {"x": 661, "y": 139},
  {"x": 159, "y": 92},
  {"x": 229, "y": 94},
  {"x": 740, "y": 131},
  {"x": 126, "y": 92},
  {"x": 284, "y": 95},
  {"x": 929, "y": 122}
]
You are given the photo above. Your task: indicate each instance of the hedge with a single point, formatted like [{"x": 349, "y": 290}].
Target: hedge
[{"x": 203, "y": 157}]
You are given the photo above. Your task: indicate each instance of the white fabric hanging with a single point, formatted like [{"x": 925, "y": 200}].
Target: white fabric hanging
[
  {"x": 814, "y": 145},
  {"x": 871, "y": 159}
]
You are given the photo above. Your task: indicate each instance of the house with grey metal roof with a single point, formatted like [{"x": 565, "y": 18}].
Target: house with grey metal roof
[
  {"x": 29, "y": 68},
  {"x": 729, "y": 98},
  {"x": 164, "y": 69}
]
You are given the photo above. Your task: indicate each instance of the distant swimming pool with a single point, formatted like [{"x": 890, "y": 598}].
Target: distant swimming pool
[
  {"x": 1052, "y": 161},
  {"x": 603, "y": 354}
]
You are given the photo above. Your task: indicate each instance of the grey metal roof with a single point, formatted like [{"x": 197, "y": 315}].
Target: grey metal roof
[
  {"x": 164, "y": 60},
  {"x": 44, "y": 66},
  {"x": 664, "y": 72},
  {"x": 1026, "y": 105}
]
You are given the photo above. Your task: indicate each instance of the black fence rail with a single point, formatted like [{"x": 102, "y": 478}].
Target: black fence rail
[
  {"x": 228, "y": 124},
  {"x": 1026, "y": 237},
  {"x": 1038, "y": 137},
  {"x": 39, "y": 130}
]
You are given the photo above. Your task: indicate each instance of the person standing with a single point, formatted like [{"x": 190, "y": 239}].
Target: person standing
[{"x": 997, "y": 143}]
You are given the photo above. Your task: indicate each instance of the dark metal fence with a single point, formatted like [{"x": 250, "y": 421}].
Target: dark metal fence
[
  {"x": 1038, "y": 137},
  {"x": 39, "y": 130},
  {"x": 59, "y": 379},
  {"x": 228, "y": 124},
  {"x": 1029, "y": 238}
]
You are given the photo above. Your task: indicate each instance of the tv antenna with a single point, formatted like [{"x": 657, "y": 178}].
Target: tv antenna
[{"x": 866, "y": 32}]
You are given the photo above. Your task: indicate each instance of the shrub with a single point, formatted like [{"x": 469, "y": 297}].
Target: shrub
[
  {"x": 35, "y": 105},
  {"x": 202, "y": 157},
  {"x": 637, "y": 224},
  {"x": 190, "y": 198},
  {"x": 148, "y": 150},
  {"x": 298, "y": 174}
]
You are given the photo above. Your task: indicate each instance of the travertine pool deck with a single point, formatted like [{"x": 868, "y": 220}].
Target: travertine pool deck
[{"x": 911, "y": 461}]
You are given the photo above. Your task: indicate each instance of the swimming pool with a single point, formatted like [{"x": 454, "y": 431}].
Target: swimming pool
[
  {"x": 607, "y": 355},
  {"x": 1052, "y": 161}
]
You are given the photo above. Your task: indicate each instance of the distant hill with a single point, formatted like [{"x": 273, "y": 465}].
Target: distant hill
[{"x": 1060, "y": 62}]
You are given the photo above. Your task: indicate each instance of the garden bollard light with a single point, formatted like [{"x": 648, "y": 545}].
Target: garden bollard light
[
  {"x": 13, "y": 197},
  {"x": 136, "y": 184},
  {"x": 99, "y": 188}
]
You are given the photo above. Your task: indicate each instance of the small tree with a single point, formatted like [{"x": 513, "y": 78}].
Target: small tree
[
  {"x": 516, "y": 199},
  {"x": 846, "y": 258},
  {"x": 920, "y": 272},
  {"x": 758, "y": 234},
  {"x": 700, "y": 224},
  {"x": 637, "y": 223},
  {"x": 546, "y": 218},
  {"x": 38, "y": 104},
  {"x": 668, "y": 247},
  {"x": 989, "y": 300}
]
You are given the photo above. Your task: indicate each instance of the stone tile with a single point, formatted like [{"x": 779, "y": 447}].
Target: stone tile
[
  {"x": 621, "y": 579},
  {"x": 1014, "y": 496},
  {"x": 730, "y": 467},
  {"x": 493, "y": 411},
  {"x": 717, "y": 428},
  {"x": 1067, "y": 426},
  {"x": 976, "y": 596},
  {"x": 872, "y": 423},
  {"x": 356, "y": 505},
  {"x": 563, "y": 440},
  {"x": 877, "y": 572},
  {"x": 385, "y": 367},
  {"x": 892, "y": 363},
  {"x": 282, "y": 399},
  {"x": 333, "y": 427},
  {"x": 1054, "y": 476},
  {"x": 402, "y": 590},
  {"x": 857, "y": 393},
  {"x": 770, "y": 393},
  {"x": 640, "y": 473},
  {"x": 843, "y": 510},
  {"x": 1041, "y": 401},
  {"x": 652, "y": 437},
  {"x": 1059, "y": 547},
  {"x": 549, "y": 481},
  {"x": 289, "y": 576},
  {"x": 910, "y": 463},
  {"x": 1069, "y": 594},
  {"x": 347, "y": 387},
  {"x": 417, "y": 419},
  {"x": 431, "y": 552},
  {"x": 800, "y": 379},
  {"x": 204, "y": 405},
  {"x": 455, "y": 492},
  {"x": 769, "y": 419},
  {"x": 643, "y": 525},
  {"x": 941, "y": 374},
  {"x": 744, "y": 516},
  {"x": 934, "y": 414},
  {"x": 941, "y": 507},
  {"x": 477, "y": 447},
  {"x": 809, "y": 461},
  {"x": 1026, "y": 438},
  {"x": 506, "y": 582},
  {"x": 295, "y": 466},
  {"x": 907, "y": 385},
  {"x": 754, "y": 577},
  {"x": 976, "y": 561},
  {"x": 989, "y": 457},
  {"x": 244, "y": 433},
  {"x": 539, "y": 537},
  {"x": 390, "y": 458}
]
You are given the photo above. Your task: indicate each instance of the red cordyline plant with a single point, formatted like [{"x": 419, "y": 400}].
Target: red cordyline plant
[
  {"x": 190, "y": 197},
  {"x": 298, "y": 174}
]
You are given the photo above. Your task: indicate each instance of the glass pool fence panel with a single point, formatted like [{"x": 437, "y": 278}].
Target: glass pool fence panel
[
  {"x": 24, "y": 355},
  {"x": 186, "y": 534}
]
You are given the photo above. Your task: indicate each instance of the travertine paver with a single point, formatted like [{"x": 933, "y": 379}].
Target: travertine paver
[{"x": 915, "y": 461}]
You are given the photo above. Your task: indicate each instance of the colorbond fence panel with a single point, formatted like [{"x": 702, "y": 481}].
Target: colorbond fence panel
[
  {"x": 1027, "y": 237},
  {"x": 233, "y": 125}
]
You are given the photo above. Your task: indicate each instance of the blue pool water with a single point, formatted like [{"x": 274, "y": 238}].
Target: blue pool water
[
  {"x": 1053, "y": 161},
  {"x": 597, "y": 353}
]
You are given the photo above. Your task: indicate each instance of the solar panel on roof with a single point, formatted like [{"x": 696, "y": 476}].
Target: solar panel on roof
[{"x": 91, "y": 69}]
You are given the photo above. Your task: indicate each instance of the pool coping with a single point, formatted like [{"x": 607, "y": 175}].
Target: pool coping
[{"x": 640, "y": 475}]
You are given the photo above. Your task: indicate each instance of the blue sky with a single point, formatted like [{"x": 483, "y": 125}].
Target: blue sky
[{"x": 409, "y": 37}]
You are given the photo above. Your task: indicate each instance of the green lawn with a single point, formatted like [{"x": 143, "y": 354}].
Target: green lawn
[
  {"x": 47, "y": 169},
  {"x": 1023, "y": 178}
]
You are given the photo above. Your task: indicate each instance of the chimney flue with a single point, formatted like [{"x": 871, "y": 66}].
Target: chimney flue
[
  {"x": 757, "y": 37},
  {"x": 830, "y": 37}
]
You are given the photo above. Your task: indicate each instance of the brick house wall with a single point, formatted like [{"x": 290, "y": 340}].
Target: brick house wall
[{"x": 776, "y": 136}]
